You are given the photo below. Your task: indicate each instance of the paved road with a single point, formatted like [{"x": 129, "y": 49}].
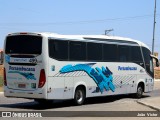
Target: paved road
[
  {"x": 112, "y": 103},
  {"x": 156, "y": 91}
]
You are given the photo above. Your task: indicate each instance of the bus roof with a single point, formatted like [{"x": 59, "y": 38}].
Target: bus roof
[{"x": 81, "y": 37}]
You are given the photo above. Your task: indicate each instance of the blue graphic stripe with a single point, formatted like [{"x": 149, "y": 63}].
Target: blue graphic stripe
[
  {"x": 102, "y": 77},
  {"x": 26, "y": 75}
]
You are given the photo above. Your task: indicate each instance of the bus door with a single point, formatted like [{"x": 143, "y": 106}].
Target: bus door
[{"x": 68, "y": 87}]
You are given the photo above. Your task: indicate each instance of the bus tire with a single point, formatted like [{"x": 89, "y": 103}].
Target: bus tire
[
  {"x": 140, "y": 90},
  {"x": 79, "y": 96}
]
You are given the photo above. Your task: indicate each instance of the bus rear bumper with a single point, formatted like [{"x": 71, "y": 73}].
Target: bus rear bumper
[{"x": 25, "y": 94}]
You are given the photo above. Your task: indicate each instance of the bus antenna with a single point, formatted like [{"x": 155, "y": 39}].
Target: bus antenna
[{"x": 107, "y": 31}]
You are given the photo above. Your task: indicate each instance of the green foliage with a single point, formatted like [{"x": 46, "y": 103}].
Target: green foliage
[{"x": 1, "y": 81}]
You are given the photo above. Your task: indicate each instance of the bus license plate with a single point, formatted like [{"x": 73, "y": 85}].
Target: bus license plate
[{"x": 21, "y": 85}]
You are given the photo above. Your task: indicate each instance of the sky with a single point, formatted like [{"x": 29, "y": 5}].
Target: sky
[{"x": 127, "y": 18}]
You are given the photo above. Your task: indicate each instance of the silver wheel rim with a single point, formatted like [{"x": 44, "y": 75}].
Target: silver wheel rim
[
  {"x": 139, "y": 91},
  {"x": 79, "y": 96}
]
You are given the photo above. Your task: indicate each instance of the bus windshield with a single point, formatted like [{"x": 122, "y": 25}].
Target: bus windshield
[{"x": 23, "y": 44}]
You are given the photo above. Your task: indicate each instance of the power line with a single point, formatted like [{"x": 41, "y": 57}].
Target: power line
[{"x": 81, "y": 22}]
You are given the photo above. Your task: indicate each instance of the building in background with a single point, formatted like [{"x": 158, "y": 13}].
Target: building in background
[
  {"x": 156, "y": 69},
  {"x": 156, "y": 54}
]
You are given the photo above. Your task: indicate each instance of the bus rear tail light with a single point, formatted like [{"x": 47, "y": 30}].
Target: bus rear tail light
[
  {"x": 23, "y": 33},
  {"x": 42, "y": 79},
  {"x": 4, "y": 76}
]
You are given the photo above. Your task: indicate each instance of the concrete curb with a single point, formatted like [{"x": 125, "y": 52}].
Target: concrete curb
[
  {"x": 148, "y": 105},
  {"x": 157, "y": 80}
]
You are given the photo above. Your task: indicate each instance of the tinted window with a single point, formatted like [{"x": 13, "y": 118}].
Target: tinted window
[
  {"x": 77, "y": 51},
  {"x": 110, "y": 52},
  {"x": 148, "y": 61},
  {"x": 136, "y": 55},
  {"x": 124, "y": 53},
  {"x": 23, "y": 44},
  {"x": 146, "y": 54},
  {"x": 58, "y": 49},
  {"x": 94, "y": 51}
]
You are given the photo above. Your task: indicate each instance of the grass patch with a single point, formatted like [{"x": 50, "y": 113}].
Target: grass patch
[
  {"x": 1, "y": 89},
  {"x": 1, "y": 83}
]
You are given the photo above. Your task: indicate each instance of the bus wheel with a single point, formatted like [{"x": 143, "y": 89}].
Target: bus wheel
[
  {"x": 139, "y": 91},
  {"x": 79, "y": 96}
]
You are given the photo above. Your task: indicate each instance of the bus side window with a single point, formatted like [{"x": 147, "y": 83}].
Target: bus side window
[
  {"x": 58, "y": 49},
  {"x": 94, "y": 51},
  {"x": 136, "y": 56},
  {"x": 124, "y": 53},
  {"x": 110, "y": 52},
  {"x": 77, "y": 50}
]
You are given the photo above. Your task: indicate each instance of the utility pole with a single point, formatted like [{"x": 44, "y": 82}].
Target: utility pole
[
  {"x": 154, "y": 25},
  {"x": 107, "y": 31}
]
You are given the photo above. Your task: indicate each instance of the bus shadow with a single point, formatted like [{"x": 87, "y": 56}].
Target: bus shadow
[
  {"x": 109, "y": 99},
  {"x": 68, "y": 103}
]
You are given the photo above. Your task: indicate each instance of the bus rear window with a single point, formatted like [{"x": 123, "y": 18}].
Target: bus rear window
[{"x": 23, "y": 44}]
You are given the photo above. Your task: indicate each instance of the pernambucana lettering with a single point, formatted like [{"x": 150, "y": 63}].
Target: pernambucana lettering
[
  {"x": 127, "y": 68},
  {"x": 21, "y": 68}
]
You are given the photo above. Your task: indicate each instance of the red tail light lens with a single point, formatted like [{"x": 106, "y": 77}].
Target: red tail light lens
[
  {"x": 4, "y": 77},
  {"x": 23, "y": 33},
  {"x": 42, "y": 79}
]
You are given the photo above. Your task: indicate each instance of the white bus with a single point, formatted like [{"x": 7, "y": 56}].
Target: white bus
[{"x": 47, "y": 66}]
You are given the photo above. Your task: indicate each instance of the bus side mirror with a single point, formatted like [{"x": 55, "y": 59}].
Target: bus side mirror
[
  {"x": 156, "y": 59},
  {"x": 157, "y": 63}
]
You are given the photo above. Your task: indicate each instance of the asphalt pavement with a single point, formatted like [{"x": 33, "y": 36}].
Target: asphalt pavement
[{"x": 152, "y": 102}]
